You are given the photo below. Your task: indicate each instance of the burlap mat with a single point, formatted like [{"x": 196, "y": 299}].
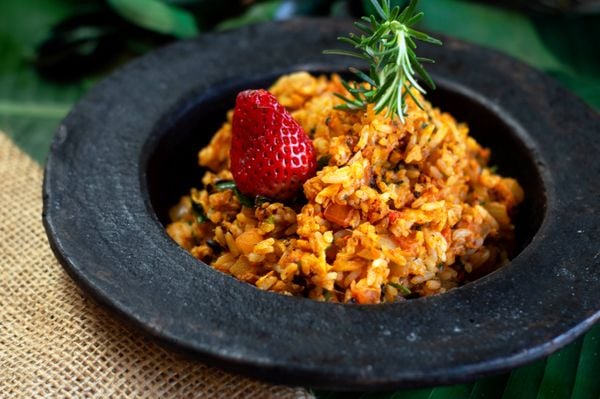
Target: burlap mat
[{"x": 56, "y": 343}]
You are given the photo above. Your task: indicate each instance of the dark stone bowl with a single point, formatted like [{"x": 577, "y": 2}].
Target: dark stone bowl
[{"x": 127, "y": 151}]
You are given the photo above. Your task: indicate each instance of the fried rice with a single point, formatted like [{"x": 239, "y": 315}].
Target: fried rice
[{"x": 397, "y": 210}]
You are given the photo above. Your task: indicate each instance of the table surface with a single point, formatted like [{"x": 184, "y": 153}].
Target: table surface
[{"x": 564, "y": 46}]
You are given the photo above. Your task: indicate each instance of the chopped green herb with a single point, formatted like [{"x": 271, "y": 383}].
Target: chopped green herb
[
  {"x": 199, "y": 213},
  {"x": 271, "y": 219},
  {"x": 327, "y": 120},
  {"x": 493, "y": 168},
  {"x": 440, "y": 265},
  {"x": 323, "y": 161},
  {"x": 327, "y": 295},
  {"x": 259, "y": 200},
  {"x": 402, "y": 288},
  {"x": 246, "y": 201},
  {"x": 230, "y": 185},
  {"x": 225, "y": 185}
]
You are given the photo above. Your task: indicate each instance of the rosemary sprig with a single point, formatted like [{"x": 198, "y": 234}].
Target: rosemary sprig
[{"x": 388, "y": 44}]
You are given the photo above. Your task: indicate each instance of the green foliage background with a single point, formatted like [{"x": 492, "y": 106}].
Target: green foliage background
[{"x": 565, "y": 46}]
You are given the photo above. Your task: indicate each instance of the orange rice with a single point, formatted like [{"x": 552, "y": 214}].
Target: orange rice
[{"x": 401, "y": 209}]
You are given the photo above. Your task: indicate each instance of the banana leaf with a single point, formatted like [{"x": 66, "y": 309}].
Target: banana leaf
[
  {"x": 31, "y": 106},
  {"x": 157, "y": 16}
]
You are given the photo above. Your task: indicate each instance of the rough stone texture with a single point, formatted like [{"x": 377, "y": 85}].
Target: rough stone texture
[{"x": 101, "y": 223}]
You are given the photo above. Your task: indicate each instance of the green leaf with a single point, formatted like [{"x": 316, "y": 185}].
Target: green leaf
[
  {"x": 568, "y": 37},
  {"x": 492, "y": 26},
  {"x": 199, "y": 212},
  {"x": 225, "y": 185},
  {"x": 557, "y": 44},
  {"x": 559, "y": 374},
  {"x": 453, "y": 391},
  {"x": 525, "y": 381},
  {"x": 489, "y": 388},
  {"x": 244, "y": 200},
  {"x": 402, "y": 288},
  {"x": 343, "y": 52},
  {"x": 369, "y": 9},
  {"x": 378, "y": 9},
  {"x": 31, "y": 107},
  {"x": 35, "y": 110},
  {"x": 157, "y": 16},
  {"x": 259, "y": 12},
  {"x": 587, "y": 383},
  {"x": 363, "y": 76}
]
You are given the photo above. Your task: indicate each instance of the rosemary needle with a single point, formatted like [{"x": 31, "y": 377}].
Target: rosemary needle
[{"x": 388, "y": 44}]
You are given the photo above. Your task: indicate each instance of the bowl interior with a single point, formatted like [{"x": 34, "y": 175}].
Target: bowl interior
[{"x": 171, "y": 168}]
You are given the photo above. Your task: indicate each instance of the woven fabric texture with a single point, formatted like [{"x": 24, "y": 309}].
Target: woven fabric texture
[{"x": 54, "y": 342}]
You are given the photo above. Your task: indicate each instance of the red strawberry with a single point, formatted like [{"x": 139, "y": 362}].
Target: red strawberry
[{"x": 271, "y": 155}]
